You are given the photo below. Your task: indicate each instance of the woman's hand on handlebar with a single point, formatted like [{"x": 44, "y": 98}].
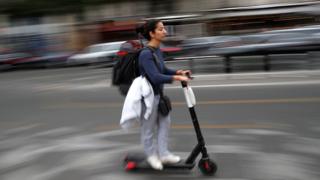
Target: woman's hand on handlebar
[
  {"x": 181, "y": 78},
  {"x": 184, "y": 72}
]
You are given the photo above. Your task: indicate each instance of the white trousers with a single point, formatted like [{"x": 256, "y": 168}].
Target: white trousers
[{"x": 155, "y": 131}]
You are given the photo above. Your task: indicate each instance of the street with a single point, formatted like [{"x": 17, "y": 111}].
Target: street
[{"x": 63, "y": 124}]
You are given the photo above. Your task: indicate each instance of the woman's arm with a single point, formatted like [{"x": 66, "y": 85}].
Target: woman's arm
[{"x": 152, "y": 71}]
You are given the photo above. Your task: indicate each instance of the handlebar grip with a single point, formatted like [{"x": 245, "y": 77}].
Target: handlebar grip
[
  {"x": 184, "y": 84},
  {"x": 188, "y": 75}
]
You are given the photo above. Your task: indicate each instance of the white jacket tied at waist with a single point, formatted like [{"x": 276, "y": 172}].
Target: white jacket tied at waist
[{"x": 139, "y": 92}]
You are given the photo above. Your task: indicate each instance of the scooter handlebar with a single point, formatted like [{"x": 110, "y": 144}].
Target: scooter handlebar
[
  {"x": 185, "y": 83},
  {"x": 188, "y": 93}
]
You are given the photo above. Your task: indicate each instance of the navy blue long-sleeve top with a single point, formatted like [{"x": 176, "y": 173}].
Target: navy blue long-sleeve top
[{"x": 148, "y": 67}]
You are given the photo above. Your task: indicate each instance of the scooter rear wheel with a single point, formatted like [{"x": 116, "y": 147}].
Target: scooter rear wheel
[
  {"x": 130, "y": 166},
  {"x": 207, "y": 167}
]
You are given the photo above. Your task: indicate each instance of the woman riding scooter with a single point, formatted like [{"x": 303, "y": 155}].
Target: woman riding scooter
[{"x": 157, "y": 153}]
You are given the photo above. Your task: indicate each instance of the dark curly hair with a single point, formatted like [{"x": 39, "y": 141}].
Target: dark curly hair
[{"x": 149, "y": 26}]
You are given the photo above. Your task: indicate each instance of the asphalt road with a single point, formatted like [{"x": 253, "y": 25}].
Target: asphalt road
[{"x": 61, "y": 124}]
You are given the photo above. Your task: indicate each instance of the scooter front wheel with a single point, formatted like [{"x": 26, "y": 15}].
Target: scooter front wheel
[{"x": 207, "y": 167}]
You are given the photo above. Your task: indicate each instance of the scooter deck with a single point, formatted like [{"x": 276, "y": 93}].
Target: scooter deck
[{"x": 138, "y": 161}]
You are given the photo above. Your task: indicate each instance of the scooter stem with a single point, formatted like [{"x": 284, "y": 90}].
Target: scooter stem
[{"x": 200, "y": 147}]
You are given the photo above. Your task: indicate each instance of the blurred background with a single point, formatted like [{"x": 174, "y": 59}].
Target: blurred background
[
  {"x": 257, "y": 79},
  {"x": 38, "y": 33}
]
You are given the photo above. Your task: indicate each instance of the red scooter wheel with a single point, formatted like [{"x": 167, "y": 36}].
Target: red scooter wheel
[
  {"x": 207, "y": 167},
  {"x": 130, "y": 166}
]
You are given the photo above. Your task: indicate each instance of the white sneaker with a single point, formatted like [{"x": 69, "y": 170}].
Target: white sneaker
[
  {"x": 155, "y": 162},
  {"x": 170, "y": 159}
]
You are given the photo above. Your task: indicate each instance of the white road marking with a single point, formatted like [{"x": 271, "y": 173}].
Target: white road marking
[
  {"x": 57, "y": 132},
  {"x": 268, "y": 74},
  {"x": 234, "y": 149},
  {"x": 261, "y": 132},
  {"x": 287, "y": 83},
  {"x": 304, "y": 145},
  {"x": 20, "y": 129},
  {"x": 73, "y": 86},
  {"x": 280, "y": 166}
]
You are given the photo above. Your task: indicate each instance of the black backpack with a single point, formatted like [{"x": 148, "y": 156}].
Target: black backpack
[{"x": 126, "y": 70}]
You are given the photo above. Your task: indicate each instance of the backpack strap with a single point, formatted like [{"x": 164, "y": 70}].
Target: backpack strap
[
  {"x": 155, "y": 58},
  {"x": 157, "y": 63}
]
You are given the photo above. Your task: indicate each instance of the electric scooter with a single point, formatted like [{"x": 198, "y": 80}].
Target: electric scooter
[{"x": 135, "y": 161}]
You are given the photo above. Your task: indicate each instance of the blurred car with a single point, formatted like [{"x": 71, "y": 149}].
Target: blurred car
[
  {"x": 295, "y": 40},
  {"x": 97, "y": 53},
  {"x": 170, "y": 52},
  {"x": 203, "y": 45},
  {"x": 11, "y": 60},
  {"x": 4, "y": 61},
  {"x": 301, "y": 39},
  {"x": 27, "y": 60},
  {"x": 54, "y": 59}
]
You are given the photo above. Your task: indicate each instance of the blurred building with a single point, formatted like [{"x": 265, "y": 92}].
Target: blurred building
[
  {"x": 189, "y": 18},
  {"x": 116, "y": 20}
]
